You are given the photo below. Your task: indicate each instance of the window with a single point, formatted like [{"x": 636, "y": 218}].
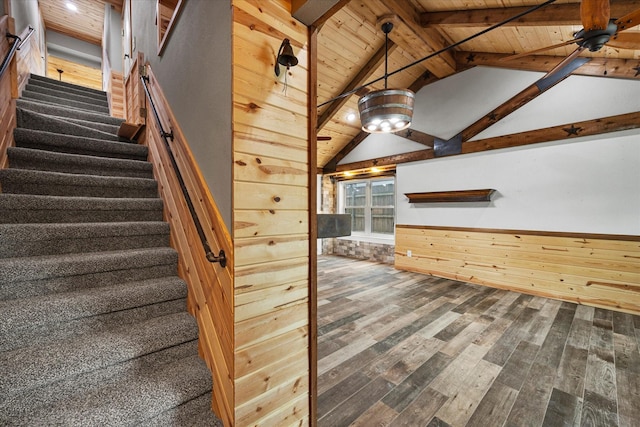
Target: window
[{"x": 371, "y": 204}]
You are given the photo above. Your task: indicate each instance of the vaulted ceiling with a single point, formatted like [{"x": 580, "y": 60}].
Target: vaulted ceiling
[{"x": 351, "y": 53}]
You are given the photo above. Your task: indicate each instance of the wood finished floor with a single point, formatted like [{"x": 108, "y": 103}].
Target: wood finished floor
[{"x": 404, "y": 349}]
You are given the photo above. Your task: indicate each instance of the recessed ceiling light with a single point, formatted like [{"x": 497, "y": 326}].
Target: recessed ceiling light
[
  {"x": 72, "y": 6},
  {"x": 351, "y": 117}
]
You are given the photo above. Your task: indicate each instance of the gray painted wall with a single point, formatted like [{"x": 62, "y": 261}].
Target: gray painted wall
[
  {"x": 73, "y": 49},
  {"x": 25, "y": 13},
  {"x": 194, "y": 72},
  {"x": 112, "y": 43}
]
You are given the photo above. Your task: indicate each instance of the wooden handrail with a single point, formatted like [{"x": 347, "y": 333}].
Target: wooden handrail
[{"x": 211, "y": 257}]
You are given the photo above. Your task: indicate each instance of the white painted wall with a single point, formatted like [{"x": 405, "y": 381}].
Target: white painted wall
[{"x": 589, "y": 185}]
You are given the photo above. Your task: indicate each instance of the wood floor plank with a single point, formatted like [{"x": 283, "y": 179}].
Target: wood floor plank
[
  {"x": 564, "y": 409},
  {"x": 494, "y": 406},
  {"x": 400, "y": 348}
]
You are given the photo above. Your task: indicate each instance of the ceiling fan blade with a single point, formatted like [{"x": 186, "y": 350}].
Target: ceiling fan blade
[
  {"x": 564, "y": 62},
  {"x": 628, "y": 40},
  {"x": 542, "y": 49},
  {"x": 629, "y": 20},
  {"x": 595, "y": 14}
]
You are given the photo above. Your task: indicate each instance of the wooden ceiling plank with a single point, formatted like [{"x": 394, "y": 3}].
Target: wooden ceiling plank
[
  {"x": 554, "y": 14},
  {"x": 597, "y": 67},
  {"x": 556, "y": 133},
  {"x": 358, "y": 80}
]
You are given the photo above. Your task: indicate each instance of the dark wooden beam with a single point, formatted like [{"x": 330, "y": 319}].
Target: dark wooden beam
[
  {"x": 376, "y": 60},
  {"x": 417, "y": 136},
  {"x": 333, "y": 163},
  {"x": 556, "y": 133},
  {"x": 425, "y": 79},
  {"x": 596, "y": 67},
  {"x": 524, "y": 97},
  {"x": 551, "y": 15},
  {"x": 413, "y": 156}
]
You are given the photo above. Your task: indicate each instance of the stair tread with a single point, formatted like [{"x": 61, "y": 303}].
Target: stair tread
[
  {"x": 38, "y": 365},
  {"x": 64, "y": 111},
  {"x": 133, "y": 390},
  {"x": 61, "y": 92},
  {"x": 38, "y": 176},
  {"x": 33, "y": 120},
  {"x": 71, "y": 144},
  {"x": 27, "y": 94},
  {"x": 45, "y": 79}
]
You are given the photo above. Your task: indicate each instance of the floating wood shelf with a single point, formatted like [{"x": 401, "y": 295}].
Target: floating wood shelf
[{"x": 483, "y": 195}]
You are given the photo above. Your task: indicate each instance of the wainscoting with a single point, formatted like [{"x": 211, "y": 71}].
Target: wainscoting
[{"x": 592, "y": 269}]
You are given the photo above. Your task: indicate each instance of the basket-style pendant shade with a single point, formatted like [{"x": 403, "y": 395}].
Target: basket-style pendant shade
[{"x": 386, "y": 110}]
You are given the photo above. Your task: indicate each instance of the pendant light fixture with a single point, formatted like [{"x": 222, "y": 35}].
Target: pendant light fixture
[{"x": 386, "y": 110}]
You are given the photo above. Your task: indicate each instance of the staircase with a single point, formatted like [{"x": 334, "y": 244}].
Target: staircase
[{"x": 93, "y": 323}]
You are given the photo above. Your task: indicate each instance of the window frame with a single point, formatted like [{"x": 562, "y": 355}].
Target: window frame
[{"x": 367, "y": 233}]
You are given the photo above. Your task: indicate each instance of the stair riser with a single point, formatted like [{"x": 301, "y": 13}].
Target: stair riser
[
  {"x": 8, "y": 216},
  {"x": 31, "y": 288},
  {"x": 87, "y": 93},
  {"x": 78, "y": 190},
  {"x": 29, "y": 120},
  {"x": 54, "y": 331},
  {"x": 23, "y": 248},
  {"x": 103, "y": 127},
  {"x": 61, "y": 111},
  {"x": 69, "y": 95},
  {"x": 34, "y": 78},
  {"x": 61, "y": 101}
]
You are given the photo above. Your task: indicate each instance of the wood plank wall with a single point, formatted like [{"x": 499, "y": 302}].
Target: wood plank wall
[
  {"x": 115, "y": 94},
  {"x": 597, "y": 270},
  {"x": 30, "y": 60},
  {"x": 74, "y": 73},
  {"x": 210, "y": 285},
  {"x": 271, "y": 226},
  {"x": 135, "y": 109},
  {"x": 7, "y": 87}
]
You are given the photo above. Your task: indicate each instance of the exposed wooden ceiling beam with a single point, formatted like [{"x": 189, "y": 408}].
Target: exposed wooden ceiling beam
[
  {"x": 597, "y": 67},
  {"x": 524, "y": 97},
  {"x": 567, "y": 131},
  {"x": 411, "y": 36},
  {"x": 417, "y": 136},
  {"x": 413, "y": 156},
  {"x": 376, "y": 60},
  {"x": 555, "y": 133},
  {"x": 333, "y": 163},
  {"x": 554, "y": 14}
]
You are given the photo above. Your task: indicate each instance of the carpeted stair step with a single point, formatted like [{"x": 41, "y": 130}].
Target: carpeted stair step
[
  {"x": 36, "y": 366},
  {"x": 125, "y": 393},
  {"x": 23, "y": 240},
  {"x": 65, "y": 93},
  {"x": 24, "y": 181},
  {"x": 27, "y": 94},
  {"x": 27, "y": 158},
  {"x": 41, "y": 140},
  {"x": 42, "y": 275},
  {"x": 37, "y": 121},
  {"x": 44, "y": 319},
  {"x": 62, "y": 111},
  {"x": 77, "y": 90},
  {"x": 104, "y": 127},
  {"x": 196, "y": 412},
  {"x": 36, "y": 79},
  {"x": 21, "y": 208}
]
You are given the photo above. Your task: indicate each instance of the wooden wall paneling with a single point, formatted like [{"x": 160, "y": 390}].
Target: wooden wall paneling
[
  {"x": 135, "y": 108},
  {"x": 7, "y": 89},
  {"x": 116, "y": 94},
  {"x": 74, "y": 73},
  {"x": 29, "y": 60},
  {"x": 210, "y": 285},
  {"x": 271, "y": 218},
  {"x": 597, "y": 270}
]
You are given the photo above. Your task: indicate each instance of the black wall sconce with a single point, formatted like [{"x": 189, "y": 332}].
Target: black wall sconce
[{"x": 285, "y": 57}]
